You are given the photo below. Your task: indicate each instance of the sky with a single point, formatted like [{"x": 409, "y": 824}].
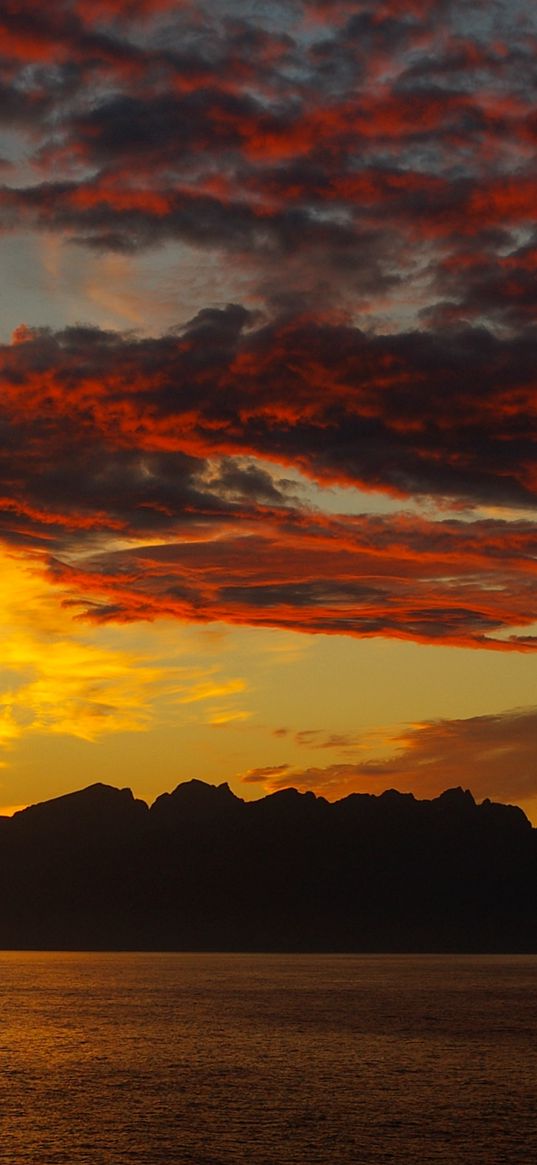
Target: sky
[{"x": 268, "y": 351}]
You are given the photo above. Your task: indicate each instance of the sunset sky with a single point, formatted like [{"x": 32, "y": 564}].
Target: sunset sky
[{"x": 268, "y": 361}]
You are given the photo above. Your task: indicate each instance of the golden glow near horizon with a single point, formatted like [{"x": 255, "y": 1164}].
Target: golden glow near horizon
[
  {"x": 62, "y": 677},
  {"x": 150, "y": 705},
  {"x": 56, "y": 678}
]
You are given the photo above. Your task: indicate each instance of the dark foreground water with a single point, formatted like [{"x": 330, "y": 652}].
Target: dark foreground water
[{"x": 279, "y": 1060}]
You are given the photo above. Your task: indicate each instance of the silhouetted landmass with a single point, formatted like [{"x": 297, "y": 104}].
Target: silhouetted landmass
[{"x": 203, "y": 870}]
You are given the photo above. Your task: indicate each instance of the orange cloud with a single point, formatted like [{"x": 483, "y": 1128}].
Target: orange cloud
[
  {"x": 493, "y": 755},
  {"x": 58, "y": 677}
]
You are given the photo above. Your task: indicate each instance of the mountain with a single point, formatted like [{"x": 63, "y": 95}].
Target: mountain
[{"x": 202, "y": 869}]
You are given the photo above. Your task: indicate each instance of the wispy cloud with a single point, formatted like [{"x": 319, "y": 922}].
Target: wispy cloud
[
  {"x": 57, "y": 677},
  {"x": 492, "y": 755}
]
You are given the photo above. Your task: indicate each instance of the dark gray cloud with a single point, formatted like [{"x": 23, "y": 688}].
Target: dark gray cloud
[
  {"x": 448, "y": 415},
  {"x": 358, "y": 145}
]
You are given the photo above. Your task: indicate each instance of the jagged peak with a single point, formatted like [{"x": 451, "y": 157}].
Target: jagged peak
[
  {"x": 291, "y": 794},
  {"x": 198, "y": 796},
  {"x": 202, "y": 789},
  {"x": 98, "y": 793},
  {"x": 457, "y": 796},
  {"x": 396, "y": 796}
]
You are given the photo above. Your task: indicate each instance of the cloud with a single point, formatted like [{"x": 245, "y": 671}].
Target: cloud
[
  {"x": 362, "y": 577},
  {"x": 368, "y": 176},
  {"x": 448, "y": 415},
  {"x": 266, "y": 774},
  {"x": 58, "y": 678},
  {"x": 359, "y": 142},
  {"x": 55, "y": 677},
  {"x": 139, "y": 469},
  {"x": 493, "y": 755}
]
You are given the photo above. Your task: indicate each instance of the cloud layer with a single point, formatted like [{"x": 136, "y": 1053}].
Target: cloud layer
[
  {"x": 370, "y": 175},
  {"x": 134, "y": 465},
  {"x": 387, "y": 157}
]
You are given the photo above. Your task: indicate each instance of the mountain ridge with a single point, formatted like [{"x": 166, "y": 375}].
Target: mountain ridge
[
  {"x": 200, "y": 868},
  {"x": 455, "y": 794}
]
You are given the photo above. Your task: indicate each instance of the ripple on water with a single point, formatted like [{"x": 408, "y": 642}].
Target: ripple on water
[{"x": 116, "y": 1059}]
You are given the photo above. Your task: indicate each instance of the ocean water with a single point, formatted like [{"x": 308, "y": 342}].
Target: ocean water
[{"x": 267, "y": 1059}]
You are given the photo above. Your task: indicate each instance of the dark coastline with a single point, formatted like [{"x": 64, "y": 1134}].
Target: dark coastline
[{"x": 204, "y": 871}]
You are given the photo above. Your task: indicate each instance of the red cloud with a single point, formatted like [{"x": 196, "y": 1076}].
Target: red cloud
[
  {"x": 123, "y": 429},
  {"x": 449, "y": 416},
  {"x": 362, "y": 578}
]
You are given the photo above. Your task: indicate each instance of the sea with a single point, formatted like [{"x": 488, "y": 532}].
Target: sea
[{"x": 220, "y": 1059}]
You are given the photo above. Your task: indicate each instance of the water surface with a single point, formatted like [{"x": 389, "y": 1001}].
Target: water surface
[{"x": 268, "y": 1059}]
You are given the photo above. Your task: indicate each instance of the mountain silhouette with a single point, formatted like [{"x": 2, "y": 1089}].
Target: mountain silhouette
[{"x": 203, "y": 870}]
